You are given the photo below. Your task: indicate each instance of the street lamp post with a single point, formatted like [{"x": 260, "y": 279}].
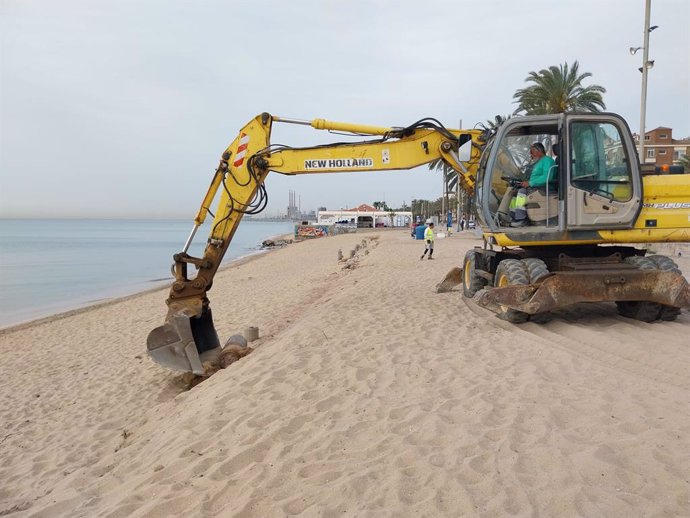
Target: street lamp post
[
  {"x": 646, "y": 65},
  {"x": 457, "y": 213},
  {"x": 457, "y": 192},
  {"x": 643, "y": 96}
]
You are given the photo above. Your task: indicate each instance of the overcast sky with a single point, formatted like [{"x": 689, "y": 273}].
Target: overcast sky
[{"x": 122, "y": 107}]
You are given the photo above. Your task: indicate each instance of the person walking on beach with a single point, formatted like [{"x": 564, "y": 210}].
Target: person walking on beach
[{"x": 429, "y": 240}]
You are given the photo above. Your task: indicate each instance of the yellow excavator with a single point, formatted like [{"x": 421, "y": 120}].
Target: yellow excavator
[{"x": 577, "y": 243}]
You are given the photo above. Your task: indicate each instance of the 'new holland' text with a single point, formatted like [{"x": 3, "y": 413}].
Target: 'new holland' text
[{"x": 339, "y": 163}]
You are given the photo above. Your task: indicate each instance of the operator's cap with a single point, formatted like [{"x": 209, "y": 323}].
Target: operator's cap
[{"x": 429, "y": 221}]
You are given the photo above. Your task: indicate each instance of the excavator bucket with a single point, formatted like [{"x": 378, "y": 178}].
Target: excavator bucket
[
  {"x": 184, "y": 342},
  {"x": 566, "y": 288}
]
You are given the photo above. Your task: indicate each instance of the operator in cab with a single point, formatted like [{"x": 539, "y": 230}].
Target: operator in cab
[{"x": 540, "y": 169}]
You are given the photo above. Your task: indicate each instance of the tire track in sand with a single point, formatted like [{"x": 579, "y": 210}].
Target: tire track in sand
[{"x": 596, "y": 332}]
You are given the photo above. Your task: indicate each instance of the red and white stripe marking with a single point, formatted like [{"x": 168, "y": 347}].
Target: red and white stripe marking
[{"x": 241, "y": 150}]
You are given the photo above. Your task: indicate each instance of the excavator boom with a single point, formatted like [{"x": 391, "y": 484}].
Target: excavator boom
[{"x": 188, "y": 335}]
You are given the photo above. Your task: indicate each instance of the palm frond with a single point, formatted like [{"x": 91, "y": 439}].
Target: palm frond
[{"x": 558, "y": 89}]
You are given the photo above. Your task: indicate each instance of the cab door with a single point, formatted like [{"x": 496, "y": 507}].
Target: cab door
[{"x": 604, "y": 187}]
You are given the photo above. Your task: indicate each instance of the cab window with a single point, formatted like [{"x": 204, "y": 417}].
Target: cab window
[
  {"x": 599, "y": 164},
  {"x": 512, "y": 163}
]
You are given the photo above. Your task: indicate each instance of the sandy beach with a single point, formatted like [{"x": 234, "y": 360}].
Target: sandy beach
[{"x": 368, "y": 394}]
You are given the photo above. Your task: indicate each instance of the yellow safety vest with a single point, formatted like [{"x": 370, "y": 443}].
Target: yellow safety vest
[{"x": 429, "y": 234}]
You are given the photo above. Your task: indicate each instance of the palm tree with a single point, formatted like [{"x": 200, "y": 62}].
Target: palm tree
[
  {"x": 449, "y": 173},
  {"x": 557, "y": 90},
  {"x": 493, "y": 125}
]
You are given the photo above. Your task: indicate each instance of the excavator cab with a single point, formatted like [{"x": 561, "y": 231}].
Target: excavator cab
[{"x": 594, "y": 182}]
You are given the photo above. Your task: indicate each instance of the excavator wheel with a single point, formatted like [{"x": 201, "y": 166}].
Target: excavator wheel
[
  {"x": 471, "y": 282},
  {"x": 640, "y": 310},
  {"x": 537, "y": 270},
  {"x": 666, "y": 264},
  {"x": 509, "y": 273}
]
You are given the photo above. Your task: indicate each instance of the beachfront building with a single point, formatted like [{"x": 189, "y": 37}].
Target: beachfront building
[
  {"x": 660, "y": 148},
  {"x": 364, "y": 216}
]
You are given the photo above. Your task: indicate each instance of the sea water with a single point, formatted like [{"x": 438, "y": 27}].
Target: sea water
[{"x": 51, "y": 266}]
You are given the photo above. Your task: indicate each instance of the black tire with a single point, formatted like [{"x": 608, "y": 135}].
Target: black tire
[
  {"x": 511, "y": 272},
  {"x": 541, "y": 318},
  {"x": 640, "y": 310},
  {"x": 643, "y": 263},
  {"x": 536, "y": 268},
  {"x": 471, "y": 282},
  {"x": 662, "y": 262}
]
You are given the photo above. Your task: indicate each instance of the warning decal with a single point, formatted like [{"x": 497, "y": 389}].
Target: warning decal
[{"x": 241, "y": 150}]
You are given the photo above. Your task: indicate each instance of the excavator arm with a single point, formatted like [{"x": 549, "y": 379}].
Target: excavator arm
[{"x": 188, "y": 335}]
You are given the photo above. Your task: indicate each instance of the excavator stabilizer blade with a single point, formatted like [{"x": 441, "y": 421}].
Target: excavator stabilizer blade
[{"x": 567, "y": 288}]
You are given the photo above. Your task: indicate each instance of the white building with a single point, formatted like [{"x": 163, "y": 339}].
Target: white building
[{"x": 365, "y": 216}]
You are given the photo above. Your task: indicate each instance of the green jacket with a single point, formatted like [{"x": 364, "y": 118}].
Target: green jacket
[{"x": 540, "y": 171}]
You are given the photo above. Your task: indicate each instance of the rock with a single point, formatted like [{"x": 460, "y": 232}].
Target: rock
[{"x": 236, "y": 340}]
